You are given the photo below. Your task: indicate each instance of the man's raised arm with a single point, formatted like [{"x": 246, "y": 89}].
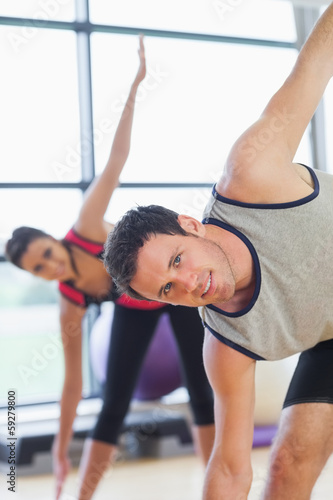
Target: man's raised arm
[{"x": 268, "y": 147}]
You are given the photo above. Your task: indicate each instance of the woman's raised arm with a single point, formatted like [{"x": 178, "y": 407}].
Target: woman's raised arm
[{"x": 90, "y": 222}]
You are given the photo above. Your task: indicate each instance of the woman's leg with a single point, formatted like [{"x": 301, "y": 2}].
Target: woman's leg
[
  {"x": 131, "y": 333},
  {"x": 96, "y": 458},
  {"x": 189, "y": 333}
]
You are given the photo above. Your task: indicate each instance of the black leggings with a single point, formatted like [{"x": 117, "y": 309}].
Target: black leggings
[{"x": 131, "y": 333}]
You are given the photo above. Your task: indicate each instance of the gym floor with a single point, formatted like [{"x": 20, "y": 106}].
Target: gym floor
[{"x": 178, "y": 478}]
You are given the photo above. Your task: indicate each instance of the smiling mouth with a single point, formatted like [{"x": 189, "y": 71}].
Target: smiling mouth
[{"x": 208, "y": 285}]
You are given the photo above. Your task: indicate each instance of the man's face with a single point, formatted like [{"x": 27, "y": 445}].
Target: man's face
[{"x": 185, "y": 270}]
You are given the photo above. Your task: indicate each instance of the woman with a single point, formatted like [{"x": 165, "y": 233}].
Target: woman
[{"x": 75, "y": 262}]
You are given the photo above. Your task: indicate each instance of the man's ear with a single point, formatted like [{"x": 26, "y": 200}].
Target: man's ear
[{"x": 191, "y": 225}]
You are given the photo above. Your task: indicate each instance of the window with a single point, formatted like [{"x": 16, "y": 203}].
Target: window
[
  {"x": 250, "y": 18},
  {"x": 48, "y": 10},
  {"x": 52, "y": 210},
  {"x": 191, "y": 108},
  {"x": 30, "y": 343},
  {"x": 207, "y": 81},
  {"x": 40, "y": 108}
]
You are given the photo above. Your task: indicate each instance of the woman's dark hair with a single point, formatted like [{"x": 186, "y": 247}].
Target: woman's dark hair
[
  {"x": 129, "y": 235},
  {"x": 19, "y": 242}
]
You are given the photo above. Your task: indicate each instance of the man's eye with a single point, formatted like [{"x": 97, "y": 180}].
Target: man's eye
[
  {"x": 167, "y": 288},
  {"x": 47, "y": 253},
  {"x": 37, "y": 269},
  {"x": 177, "y": 260}
]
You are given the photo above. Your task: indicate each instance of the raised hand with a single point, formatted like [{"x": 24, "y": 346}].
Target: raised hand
[{"x": 142, "y": 67}]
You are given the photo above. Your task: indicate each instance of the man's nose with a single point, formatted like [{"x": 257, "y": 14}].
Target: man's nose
[{"x": 189, "y": 281}]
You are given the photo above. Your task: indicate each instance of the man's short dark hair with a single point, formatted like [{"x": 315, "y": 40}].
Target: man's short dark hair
[{"x": 130, "y": 234}]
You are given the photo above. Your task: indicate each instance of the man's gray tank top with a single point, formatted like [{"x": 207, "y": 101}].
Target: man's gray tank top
[{"x": 292, "y": 249}]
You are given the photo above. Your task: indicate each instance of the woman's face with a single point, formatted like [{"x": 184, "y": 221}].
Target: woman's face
[{"x": 47, "y": 258}]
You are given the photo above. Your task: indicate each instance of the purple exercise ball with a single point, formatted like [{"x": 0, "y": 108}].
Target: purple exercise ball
[{"x": 160, "y": 373}]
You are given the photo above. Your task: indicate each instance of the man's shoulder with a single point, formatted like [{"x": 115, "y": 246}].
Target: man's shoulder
[
  {"x": 263, "y": 185},
  {"x": 223, "y": 358}
]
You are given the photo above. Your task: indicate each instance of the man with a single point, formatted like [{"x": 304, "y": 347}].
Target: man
[{"x": 259, "y": 269}]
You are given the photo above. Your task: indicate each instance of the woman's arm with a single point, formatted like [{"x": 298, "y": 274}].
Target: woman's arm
[
  {"x": 97, "y": 197},
  {"x": 70, "y": 319}
]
